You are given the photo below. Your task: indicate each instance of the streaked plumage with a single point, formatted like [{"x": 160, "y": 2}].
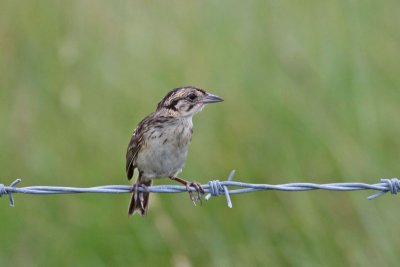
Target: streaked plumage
[{"x": 159, "y": 145}]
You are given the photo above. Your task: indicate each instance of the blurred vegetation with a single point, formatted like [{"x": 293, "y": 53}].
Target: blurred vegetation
[{"x": 311, "y": 94}]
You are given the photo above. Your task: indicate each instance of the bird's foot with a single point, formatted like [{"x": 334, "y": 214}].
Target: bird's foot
[
  {"x": 199, "y": 190},
  {"x": 196, "y": 185}
]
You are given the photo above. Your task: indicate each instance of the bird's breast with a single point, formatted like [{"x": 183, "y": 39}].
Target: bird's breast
[{"x": 165, "y": 150}]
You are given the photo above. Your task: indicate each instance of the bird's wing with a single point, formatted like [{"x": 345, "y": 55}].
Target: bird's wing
[{"x": 134, "y": 147}]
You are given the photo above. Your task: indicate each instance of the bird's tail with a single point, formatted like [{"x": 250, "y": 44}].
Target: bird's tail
[{"x": 140, "y": 200}]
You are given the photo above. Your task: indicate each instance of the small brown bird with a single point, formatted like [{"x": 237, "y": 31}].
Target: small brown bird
[{"x": 159, "y": 145}]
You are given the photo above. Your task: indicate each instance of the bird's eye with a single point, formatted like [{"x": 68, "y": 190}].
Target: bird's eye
[{"x": 192, "y": 96}]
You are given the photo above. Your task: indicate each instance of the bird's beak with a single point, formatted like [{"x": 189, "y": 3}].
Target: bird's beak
[{"x": 210, "y": 98}]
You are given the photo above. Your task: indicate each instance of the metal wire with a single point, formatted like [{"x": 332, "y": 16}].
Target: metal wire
[{"x": 213, "y": 188}]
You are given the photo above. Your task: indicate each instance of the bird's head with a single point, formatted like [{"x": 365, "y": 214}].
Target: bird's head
[{"x": 187, "y": 101}]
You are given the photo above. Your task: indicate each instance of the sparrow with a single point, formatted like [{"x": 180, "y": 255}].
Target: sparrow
[{"x": 160, "y": 142}]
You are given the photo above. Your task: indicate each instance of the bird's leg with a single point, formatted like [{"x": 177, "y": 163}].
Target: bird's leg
[{"x": 196, "y": 185}]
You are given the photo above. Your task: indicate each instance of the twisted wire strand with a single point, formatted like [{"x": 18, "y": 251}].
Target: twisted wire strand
[{"x": 214, "y": 188}]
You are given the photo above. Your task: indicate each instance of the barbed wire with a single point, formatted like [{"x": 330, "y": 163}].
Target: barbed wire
[{"x": 214, "y": 188}]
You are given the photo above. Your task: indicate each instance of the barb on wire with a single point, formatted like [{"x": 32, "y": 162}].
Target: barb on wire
[
  {"x": 6, "y": 190},
  {"x": 213, "y": 188},
  {"x": 216, "y": 188}
]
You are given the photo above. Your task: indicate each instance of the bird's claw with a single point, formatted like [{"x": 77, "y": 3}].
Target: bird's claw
[{"x": 199, "y": 190}]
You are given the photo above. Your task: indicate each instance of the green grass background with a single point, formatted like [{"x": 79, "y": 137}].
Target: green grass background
[{"x": 312, "y": 94}]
